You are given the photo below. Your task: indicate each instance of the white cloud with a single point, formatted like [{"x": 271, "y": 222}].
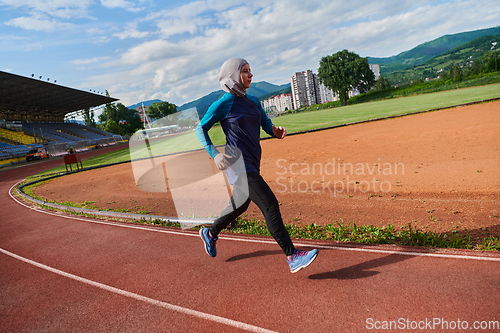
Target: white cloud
[
  {"x": 131, "y": 31},
  {"x": 95, "y": 31},
  {"x": 127, "y": 5},
  {"x": 152, "y": 51},
  {"x": 38, "y": 24},
  {"x": 63, "y": 9},
  {"x": 197, "y": 8},
  {"x": 89, "y": 61},
  {"x": 171, "y": 27},
  {"x": 98, "y": 36}
]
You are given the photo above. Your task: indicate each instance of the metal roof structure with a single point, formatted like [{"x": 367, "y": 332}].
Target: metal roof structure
[{"x": 30, "y": 99}]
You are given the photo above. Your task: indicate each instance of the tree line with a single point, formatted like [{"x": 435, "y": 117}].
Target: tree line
[
  {"x": 489, "y": 62},
  {"x": 116, "y": 118}
]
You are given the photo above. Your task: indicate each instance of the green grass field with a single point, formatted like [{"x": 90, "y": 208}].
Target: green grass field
[
  {"x": 323, "y": 118},
  {"x": 315, "y": 119}
]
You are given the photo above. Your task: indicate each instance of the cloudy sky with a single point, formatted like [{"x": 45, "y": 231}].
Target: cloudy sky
[{"x": 172, "y": 50}]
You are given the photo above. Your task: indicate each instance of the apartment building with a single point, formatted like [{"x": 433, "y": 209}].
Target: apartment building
[
  {"x": 326, "y": 95},
  {"x": 278, "y": 104},
  {"x": 305, "y": 89},
  {"x": 375, "y": 69}
]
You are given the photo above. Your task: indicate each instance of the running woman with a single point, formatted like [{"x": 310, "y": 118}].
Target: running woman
[{"x": 241, "y": 117}]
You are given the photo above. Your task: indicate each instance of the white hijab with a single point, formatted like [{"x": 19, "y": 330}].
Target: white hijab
[{"x": 230, "y": 76}]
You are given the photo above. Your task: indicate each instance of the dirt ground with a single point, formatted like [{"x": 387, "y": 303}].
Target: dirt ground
[{"x": 439, "y": 171}]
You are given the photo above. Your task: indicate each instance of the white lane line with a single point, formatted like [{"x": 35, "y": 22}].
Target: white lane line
[
  {"x": 262, "y": 241},
  {"x": 180, "y": 309}
]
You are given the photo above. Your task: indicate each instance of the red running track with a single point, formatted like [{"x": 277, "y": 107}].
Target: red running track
[{"x": 61, "y": 273}]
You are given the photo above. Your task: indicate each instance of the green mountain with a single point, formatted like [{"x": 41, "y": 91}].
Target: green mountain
[
  {"x": 145, "y": 103},
  {"x": 427, "y": 51},
  {"x": 264, "y": 88},
  {"x": 462, "y": 56},
  {"x": 257, "y": 89},
  {"x": 287, "y": 88},
  {"x": 202, "y": 104}
]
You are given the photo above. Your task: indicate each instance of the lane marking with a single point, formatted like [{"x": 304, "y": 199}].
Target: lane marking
[
  {"x": 261, "y": 241},
  {"x": 168, "y": 306}
]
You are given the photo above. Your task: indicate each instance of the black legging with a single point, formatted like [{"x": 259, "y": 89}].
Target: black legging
[{"x": 262, "y": 195}]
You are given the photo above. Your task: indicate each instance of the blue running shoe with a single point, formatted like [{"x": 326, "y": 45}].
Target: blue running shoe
[
  {"x": 209, "y": 242},
  {"x": 302, "y": 259}
]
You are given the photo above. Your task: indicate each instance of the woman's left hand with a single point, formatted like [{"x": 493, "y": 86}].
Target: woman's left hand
[{"x": 279, "y": 132}]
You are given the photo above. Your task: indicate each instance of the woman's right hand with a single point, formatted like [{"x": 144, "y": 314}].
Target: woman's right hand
[{"x": 221, "y": 161}]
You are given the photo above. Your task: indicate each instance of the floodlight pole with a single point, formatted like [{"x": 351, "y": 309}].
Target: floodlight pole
[
  {"x": 145, "y": 117},
  {"x": 495, "y": 55}
]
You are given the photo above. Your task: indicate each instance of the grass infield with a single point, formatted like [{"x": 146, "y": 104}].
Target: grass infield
[{"x": 378, "y": 109}]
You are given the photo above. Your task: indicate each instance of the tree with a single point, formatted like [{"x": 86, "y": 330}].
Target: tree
[
  {"x": 112, "y": 127},
  {"x": 491, "y": 61},
  {"x": 382, "y": 84},
  {"x": 118, "y": 119},
  {"x": 344, "y": 71},
  {"x": 159, "y": 110},
  {"x": 475, "y": 68},
  {"x": 88, "y": 118},
  {"x": 110, "y": 112},
  {"x": 130, "y": 121}
]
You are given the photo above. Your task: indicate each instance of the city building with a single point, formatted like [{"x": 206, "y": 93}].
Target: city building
[
  {"x": 375, "y": 69},
  {"x": 278, "y": 104},
  {"x": 326, "y": 95},
  {"x": 305, "y": 89}
]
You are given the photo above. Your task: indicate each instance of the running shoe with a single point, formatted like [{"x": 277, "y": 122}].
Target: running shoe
[
  {"x": 209, "y": 242},
  {"x": 301, "y": 259}
]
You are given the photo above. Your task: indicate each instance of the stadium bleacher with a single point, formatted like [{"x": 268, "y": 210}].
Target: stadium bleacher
[
  {"x": 33, "y": 112},
  {"x": 8, "y": 151},
  {"x": 16, "y": 140}
]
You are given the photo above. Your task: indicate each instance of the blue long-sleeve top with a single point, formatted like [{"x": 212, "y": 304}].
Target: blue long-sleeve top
[{"x": 241, "y": 119}]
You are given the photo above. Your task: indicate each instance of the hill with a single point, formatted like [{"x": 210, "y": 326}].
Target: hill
[
  {"x": 461, "y": 55},
  {"x": 286, "y": 88},
  {"x": 145, "y": 103},
  {"x": 427, "y": 51}
]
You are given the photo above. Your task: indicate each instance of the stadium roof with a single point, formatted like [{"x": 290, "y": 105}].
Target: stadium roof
[{"x": 23, "y": 98}]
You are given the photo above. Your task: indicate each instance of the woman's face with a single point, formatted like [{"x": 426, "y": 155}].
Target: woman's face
[{"x": 246, "y": 76}]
